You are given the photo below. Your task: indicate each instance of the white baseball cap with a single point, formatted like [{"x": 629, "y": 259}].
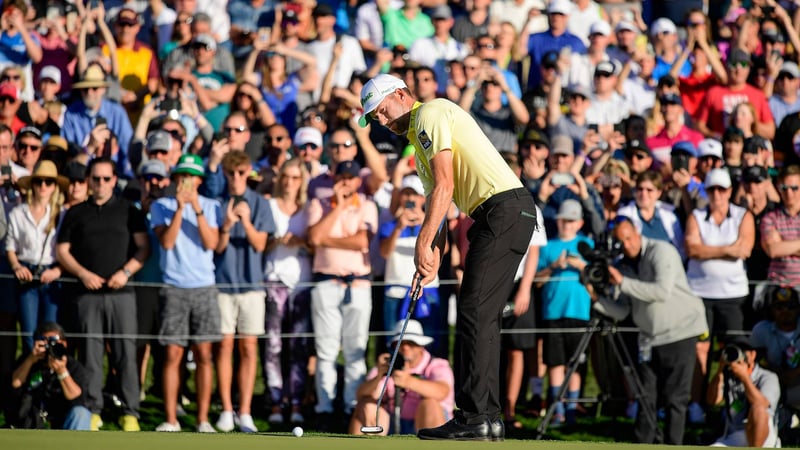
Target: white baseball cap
[
  {"x": 373, "y": 93},
  {"x": 663, "y": 25},
  {"x": 710, "y": 147},
  {"x": 307, "y": 135},
  {"x": 50, "y": 73},
  {"x": 564, "y": 7},
  {"x": 413, "y": 182},
  {"x": 719, "y": 178},
  {"x": 600, "y": 27}
]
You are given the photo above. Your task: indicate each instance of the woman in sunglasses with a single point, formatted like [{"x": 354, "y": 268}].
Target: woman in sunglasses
[{"x": 30, "y": 246}]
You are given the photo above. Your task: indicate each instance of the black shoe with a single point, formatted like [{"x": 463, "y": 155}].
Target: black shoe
[
  {"x": 497, "y": 429},
  {"x": 458, "y": 430}
]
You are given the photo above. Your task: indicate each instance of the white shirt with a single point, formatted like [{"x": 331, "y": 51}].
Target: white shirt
[
  {"x": 351, "y": 61},
  {"x": 28, "y": 239},
  {"x": 289, "y": 265},
  {"x": 610, "y": 111},
  {"x": 220, "y": 20},
  {"x": 517, "y": 13},
  {"x": 580, "y": 21},
  {"x": 640, "y": 96}
]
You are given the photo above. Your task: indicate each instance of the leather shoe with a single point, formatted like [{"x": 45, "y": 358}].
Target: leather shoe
[
  {"x": 458, "y": 430},
  {"x": 497, "y": 429}
]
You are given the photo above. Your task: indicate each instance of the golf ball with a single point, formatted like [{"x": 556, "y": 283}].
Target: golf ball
[{"x": 297, "y": 431}]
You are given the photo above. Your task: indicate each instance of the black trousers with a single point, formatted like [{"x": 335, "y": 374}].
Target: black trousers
[
  {"x": 497, "y": 241},
  {"x": 668, "y": 376}
]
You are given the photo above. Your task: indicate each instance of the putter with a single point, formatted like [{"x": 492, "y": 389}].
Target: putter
[{"x": 415, "y": 294}]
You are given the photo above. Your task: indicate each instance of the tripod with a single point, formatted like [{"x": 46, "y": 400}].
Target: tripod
[{"x": 623, "y": 357}]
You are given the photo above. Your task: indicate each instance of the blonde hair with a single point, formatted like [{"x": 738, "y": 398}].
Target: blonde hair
[
  {"x": 55, "y": 203},
  {"x": 302, "y": 196}
]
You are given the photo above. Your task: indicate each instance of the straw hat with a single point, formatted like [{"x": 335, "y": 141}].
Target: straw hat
[
  {"x": 44, "y": 169},
  {"x": 92, "y": 77}
]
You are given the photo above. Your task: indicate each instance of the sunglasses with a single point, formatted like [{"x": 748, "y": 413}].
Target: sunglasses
[
  {"x": 151, "y": 178},
  {"x": 11, "y": 78},
  {"x": 276, "y": 138},
  {"x": 712, "y": 189},
  {"x": 7, "y": 100},
  {"x": 239, "y": 129},
  {"x": 43, "y": 181},
  {"x": 789, "y": 187},
  {"x": 176, "y": 134},
  {"x": 308, "y": 146},
  {"x": 92, "y": 88},
  {"x": 98, "y": 179},
  {"x": 31, "y": 147},
  {"x": 695, "y": 24},
  {"x": 741, "y": 65},
  {"x": 639, "y": 156},
  {"x": 127, "y": 24},
  {"x": 335, "y": 145},
  {"x": 158, "y": 152},
  {"x": 486, "y": 46}
]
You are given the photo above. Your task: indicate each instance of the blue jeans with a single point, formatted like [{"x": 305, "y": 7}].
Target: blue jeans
[
  {"x": 38, "y": 303},
  {"x": 78, "y": 418}
]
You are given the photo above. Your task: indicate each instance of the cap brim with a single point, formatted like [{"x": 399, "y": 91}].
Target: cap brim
[{"x": 363, "y": 121}]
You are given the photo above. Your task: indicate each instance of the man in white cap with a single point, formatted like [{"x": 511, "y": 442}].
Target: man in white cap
[
  {"x": 784, "y": 99},
  {"x": 426, "y": 384},
  {"x": 581, "y": 68},
  {"x": 458, "y": 163},
  {"x": 664, "y": 35},
  {"x": 555, "y": 38}
]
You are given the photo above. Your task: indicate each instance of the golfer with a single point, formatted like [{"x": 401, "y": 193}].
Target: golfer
[{"x": 457, "y": 162}]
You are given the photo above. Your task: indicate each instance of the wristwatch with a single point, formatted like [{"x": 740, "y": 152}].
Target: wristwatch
[
  {"x": 199, "y": 213},
  {"x": 127, "y": 272}
]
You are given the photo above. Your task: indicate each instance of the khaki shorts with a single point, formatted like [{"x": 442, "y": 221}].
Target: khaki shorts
[{"x": 243, "y": 312}]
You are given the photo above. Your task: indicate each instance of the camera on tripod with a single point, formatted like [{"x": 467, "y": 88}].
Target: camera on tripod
[
  {"x": 54, "y": 348},
  {"x": 606, "y": 250}
]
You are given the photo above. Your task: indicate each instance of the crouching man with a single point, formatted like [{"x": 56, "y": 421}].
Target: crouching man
[{"x": 425, "y": 386}]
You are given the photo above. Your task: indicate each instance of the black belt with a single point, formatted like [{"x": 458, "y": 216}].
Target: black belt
[{"x": 487, "y": 204}]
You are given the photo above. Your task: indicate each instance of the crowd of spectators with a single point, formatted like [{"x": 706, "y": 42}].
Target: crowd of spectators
[{"x": 194, "y": 170}]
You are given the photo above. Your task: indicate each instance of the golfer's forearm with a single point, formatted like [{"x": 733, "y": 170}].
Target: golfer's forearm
[{"x": 438, "y": 204}]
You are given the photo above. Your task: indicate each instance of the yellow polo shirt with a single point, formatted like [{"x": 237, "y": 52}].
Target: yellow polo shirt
[{"x": 479, "y": 171}]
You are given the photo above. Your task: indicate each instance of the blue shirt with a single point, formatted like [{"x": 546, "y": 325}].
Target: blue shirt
[
  {"x": 663, "y": 67},
  {"x": 240, "y": 263},
  {"x": 248, "y": 18},
  {"x": 654, "y": 229},
  {"x": 563, "y": 296},
  {"x": 79, "y": 121},
  {"x": 541, "y": 43},
  {"x": 12, "y": 49},
  {"x": 186, "y": 265},
  {"x": 283, "y": 103},
  {"x": 150, "y": 271}
]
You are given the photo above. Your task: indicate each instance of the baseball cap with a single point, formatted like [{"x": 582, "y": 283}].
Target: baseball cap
[
  {"x": 127, "y": 16},
  {"x": 636, "y": 144},
  {"x": 739, "y": 56},
  {"x": 189, "y": 164},
  {"x": 755, "y": 144},
  {"x": 159, "y": 141},
  {"x": 441, "y": 12},
  {"x": 307, "y": 135},
  {"x": 322, "y": 10},
  {"x": 570, "y": 210},
  {"x": 562, "y": 145},
  {"x": 535, "y": 135},
  {"x": 153, "y": 167},
  {"x": 731, "y": 134},
  {"x": 75, "y": 171},
  {"x": 580, "y": 89},
  {"x": 606, "y": 67},
  {"x": 207, "y": 40},
  {"x": 31, "y": 130},
  {"x": 352, "y": 168},
  {"x": 626, "y": 26},
  {"x": 718, "y": 178},
  {"x": 685, "y": 147},
  {"x": 560, "y": 7},
  {"x": 790, "y": 68},
  {"x": 50, "y": 73},
  {"x": 412, "y": 182},
  {"x": 600, "y": 27},
  {"x": 663, "y": 25},
  {"x": 373, "y": 93},
  {"x": 710, "y": 147},
  {"x": 550, "y": 59},
  {"x": 755, "y": 174},
  {"x": 9, "y": 90},
  {"x": 784, "y": 295},
  {"x": 414, "y": 333},
  {"x": 773, "y": 36}
]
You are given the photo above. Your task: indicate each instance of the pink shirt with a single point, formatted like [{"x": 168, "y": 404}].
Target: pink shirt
[
  {"x": 429, "y": 368},
  {"x": 362, "y": 215},
  {"x": 661, "y": 144}
]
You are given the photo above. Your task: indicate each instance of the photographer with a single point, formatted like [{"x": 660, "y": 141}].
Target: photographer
[
  {"x": 751, "y": 394},
  {"x": 49, "y": 386},
  {"x": 652, "y": 287},
  {"x": 424, "y": 382}
]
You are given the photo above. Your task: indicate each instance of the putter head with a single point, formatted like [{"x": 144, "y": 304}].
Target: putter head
[{"x": 372, "y": 430}]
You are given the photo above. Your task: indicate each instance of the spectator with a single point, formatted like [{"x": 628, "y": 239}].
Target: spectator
[
  {"x": 277, "y": 144},
  {"x": 424, "y": 381},
  {"x": 718, "y": 240},
  {"x": 750, "y": 394},
  {"x": 582, "y": 66},
  {"x": 686, "y": 191},
  {"x": 664, "y": 35},
  {"x": 732, "y": 151},
  {"x": 435, "y": 51},
  {"x": 288, "y": 274},
  {"x": 638, "y": 157},
  {"x": 81, "y": 116},
  {"x": 30, "y": 248},
  {"x": 341, "y": 228},
  {"x": 103, "y": 242},
  {"x": 674, "y": 130},
  {"x": 575, "y": 124},
  {"x": 243, "y": 238},
  {"x": 78, "y": 190},
  {"x": 183, "y": 55},
  {"x": 486, "y": 49},
  {"x": 533, "y": 150},
  {"x": 49, "y": 385},
  {"x": 181, "y": 35},
  {"x": 257, "y": 114},
  {"x": 9, "y": 98},
  {"x": 21, "y": 47},
  {"x": 608, "y": 106},
  {"x": 27, "y": 112},
  {"x": 404, "y": 26},
  {"x": 784, "y": 100},
  {"x": 57, "y": 46},
  {"x": 756, "y": 184},
  {"x": 710, "y": 151},
  {"x": 652, "y": 218},
  {"x": 56, "y": 151},
  {"x": 720, "y": 101},
  {"x": 29, "y": 147},
  {"x": 652, "y": 287},
  {"x": 555, "y": 38},
  {"x": 473, "y": 23},
  {"x": 743, "y": 117},
  {"x": 425, "y": 84},
  {"x": 778, "y": 231},
  {"x": 190, "y": 305},
  {"x": 707, "y": 68},
  {"x": 616, "y": 186}
]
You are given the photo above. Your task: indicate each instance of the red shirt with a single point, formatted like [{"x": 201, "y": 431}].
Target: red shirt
[
  {"x": 693, "y": 90},
  {"x": 721, "y": 100},
  {"x": 661, "y": 144}
]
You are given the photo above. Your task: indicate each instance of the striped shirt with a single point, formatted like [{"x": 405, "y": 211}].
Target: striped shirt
[{"x": 786, "y": 269}]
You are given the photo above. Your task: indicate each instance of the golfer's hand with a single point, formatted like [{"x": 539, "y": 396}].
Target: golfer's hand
[{"x": 427, "y": 262}]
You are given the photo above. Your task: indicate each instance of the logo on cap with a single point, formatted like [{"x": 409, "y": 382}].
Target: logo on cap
[{"x": 366, "y": 98}]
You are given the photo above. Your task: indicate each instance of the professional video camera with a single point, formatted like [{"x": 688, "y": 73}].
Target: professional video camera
[
  {"x": 606, "y": 250},
  {"x": 54, "y": 348}
]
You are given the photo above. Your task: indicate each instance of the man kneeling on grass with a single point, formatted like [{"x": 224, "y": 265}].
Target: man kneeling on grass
[{"x": 425, "y": 385}]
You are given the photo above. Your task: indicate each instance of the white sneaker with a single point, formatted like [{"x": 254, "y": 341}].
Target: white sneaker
[
  {"x": 696, "y": 413},
  {"x": 225, "y": 421},
  {"x": 297, "y": 418},
  {"x": 275, "y": 418},
  {"x": 205, "y": 427},
  {"x": 246, "y": 425},
  {"x": 169, "y": 427}
]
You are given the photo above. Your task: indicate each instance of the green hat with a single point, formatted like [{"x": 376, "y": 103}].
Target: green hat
[{"x": 189, "y": 164}]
